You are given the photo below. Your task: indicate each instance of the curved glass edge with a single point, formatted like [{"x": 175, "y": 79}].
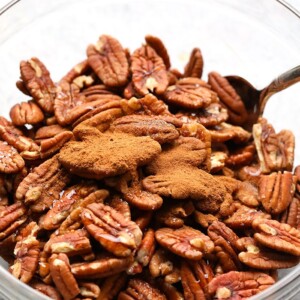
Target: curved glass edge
[
  {"x": 290, "y": 7},
  {"x": 8, "y": 6}
]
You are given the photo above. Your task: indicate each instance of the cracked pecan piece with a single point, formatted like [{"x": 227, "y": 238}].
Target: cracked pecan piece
[
  {"x": 229, "y": 98},
  {"x": 194, "y": 67},
  {"x": 157, "y": 44},
  {"x": 62, "y": 207},
  {"x": 255, "y": 256},
  {"x": 41, "y": 187},
  {"x": 275, "y": 151},
  {"x": 186, "y": 242},
  {"x": 143, "y": 125},
  {"x": 72, "y": 243},
  {"x": 108, "y": 59},
  {"x": 38, "y": 83},
  {"x": 27, "y": 252},
  {"x": 278, "y": 236},
  {"x": 111, "y": 229},
  {"x": 190, "y": 93},
  {"x": 64, "y": 280},
  {"x": 26, "y": 113},
  {"x": 149, "y": 72},
  {"x": 98, "y": 155},
  {"x": 139, "y": 289},
  {"x": 15, "y": 137},
  {"x": 101, "y": 267},
  {"x": 226, "y": 249},
  {"x": 89, "y": 290},
  {"x": 10, "y": 160},
  {"x": 276, "y": 191},
  {"x": 11, "y": 218},
  {"x": 239, "y": 285}
]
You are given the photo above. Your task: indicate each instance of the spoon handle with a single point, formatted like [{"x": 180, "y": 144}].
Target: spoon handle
[{"x": 280, "y": 83}]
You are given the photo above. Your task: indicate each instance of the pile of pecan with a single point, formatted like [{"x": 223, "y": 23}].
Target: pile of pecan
[{"x": 128, "y": 179}]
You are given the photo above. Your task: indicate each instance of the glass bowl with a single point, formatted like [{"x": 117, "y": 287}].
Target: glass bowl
[{"x": 257, "y": 40}]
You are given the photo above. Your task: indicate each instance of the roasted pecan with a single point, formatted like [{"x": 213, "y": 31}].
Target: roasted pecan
[
  {"x": 161, "y": 263},
  {"x": 218, "y": 159},
  {"x": 242, "y": 218},
  {"x": 111, "y": 286},
  {"x": 239, "y": 285},
  {"x": 62, "y": 207},
  {"x": 15, "y": 137},
  {"x": 27, "y": 253},
  {"x": 26, "y": 113},
  {"x": 157, "y": 44},
  {"x": 139, "y": 125},
  {"x": 291, "y": 215},
  {"x": 63, "y": 278},
  {"x": 229, "y": 98},
  {"x": 275, "y": 151},
  {"x": 79, "y": 69},
  {"x": 108, "y": 60},
  {"x": 89, "y": 290},
  {"x": 146, "y": 248},
  {"x": 101, "y": 267},
  {"x": 276, "y": 191},
  {"x": 144, "y": 219},
  {"x": 241, "y": 156},
  {"x": 258, "y": 257},
  {"x": 247, "y": 193},
  {"x": 121, "y": 207},
  {"x": 139, "y": 289},
  {"x": 185, "y": 241},
  {"x": 11, "y": 218},
  {"x": 71, "y": 243},
  {"x": 211, "y": 115},
  {"x": 10, "y": 159},
  {"x": 148, "y": 71},
  {"x": 41, "y": 187},
  {"x": 225, "y": 132},
  {"x": 3, "y": 192},
  {"x": 49, "y": 131},
  {"x": 194, "y": 67},
  {"x": 226, "y": 249},
  {"x": 190, "y": 93},
  {"x": 169, "y": 290},
  {"x": 190, "y": 283},
  {"x": 47, "y": 290},
  {"x": 38, "y": 82},
  {"x": 153, "y": 106},
  {"x": 204, "y": 219},
  {"x": 98, "y": 156},
  {"x": 111, "y": 229},
  {"x": 173, "y": 214},
  {"x": 278, "y": 236}
]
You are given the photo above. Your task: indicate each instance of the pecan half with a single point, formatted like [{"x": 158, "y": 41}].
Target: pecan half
[
  {"x": 239, "y": 285},
  {"x": 276, "y": 191},
  {"x": 63, "y": 278},
  {"x": 108, "y": 60},
  {"x": 10, "y": 160},
  {"x": 89, "y": 290},
  {"x": 71, "y": 243},
  {"x": 275, "y": 151},
  {"x": 15, "y": 137},
  {"x": 38, "y": 82},
  {"x": 194, "y": 67},
  {"x": 229, "y": 98},
  {"x": 258, "y": 257},
  {"x": 146, "y": 248},
  {"x": 247, "y": 193},
  {"x": 278, "y": 236},
  {"x": 148, "y": 71},
  {"x": 185, "y": 241},
  {"x": 49, "y": 131},
  {"x": 101, "y": 267},
  {"x": 111, "y": 286},
  {"x": 26, "y": 113},
  {"x": 139, "y": 125},
  {"x": 241, "y": 156},
  {"x": 157, "y": 44},
  {"x": 190, "y": 93},
  {"x": 111, "y": 229},
  {"x": 139, "y": 289},
  {"x": 27, "y": 253},
  {"x": 121, "y": 207},
  {"x": 47, "y": 290},
  {"x": 41, "y": 187},
  {"x": 225, "y": 241},
  {"x": 292, "y": 215},
  {"x": 11, "y": 218}
]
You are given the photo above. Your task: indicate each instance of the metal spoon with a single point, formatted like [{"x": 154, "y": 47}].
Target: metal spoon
[{"x": 255, "y": 100}]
